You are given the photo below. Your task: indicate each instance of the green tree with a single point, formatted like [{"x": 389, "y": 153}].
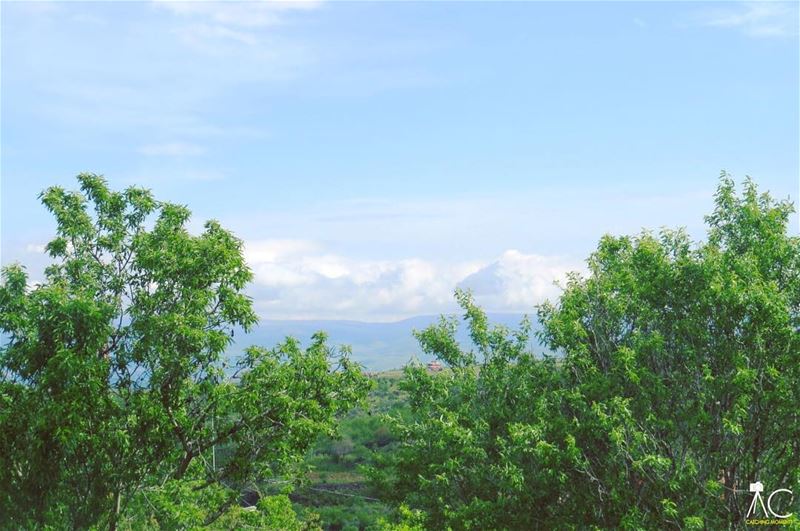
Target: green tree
[
  {"x": 189, "y": 504},
  {"x": 481, "y": 447},
  {"x": 678, "y": 384},
  {"x": 689, "y": 355},
  {"x": 112, "y": 375}
]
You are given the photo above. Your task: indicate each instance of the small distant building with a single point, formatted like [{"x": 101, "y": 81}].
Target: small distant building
[{"x": 435, "y": 366}]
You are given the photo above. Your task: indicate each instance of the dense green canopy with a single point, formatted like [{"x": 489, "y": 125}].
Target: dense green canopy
[
  {"x": 675, "y": 384},
  {"x": 112, "y": 378},
  {"x": 678, "y": 384}
]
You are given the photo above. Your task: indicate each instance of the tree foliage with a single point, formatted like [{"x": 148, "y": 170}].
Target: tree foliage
[
  {"x": 112, "y": 377},
  {"x": 189, "y": 504},
  {"x": 677, "y": 385}
]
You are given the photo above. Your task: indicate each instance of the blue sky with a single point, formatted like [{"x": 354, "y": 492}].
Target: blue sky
[{"x": 375, "y": 155}]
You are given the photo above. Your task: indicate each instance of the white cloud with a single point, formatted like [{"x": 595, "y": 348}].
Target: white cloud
[
  {"x": 277, "y": 249},
  {"x": 756, "y": 19},
  {"x": 36, "y": 248},
  {"x": 167, "y": 74},
  {"x": 518, "y": 281},
  {"x": 298, "y": 279},
  {"x": 171, "y": 149},
  {"x": 229, "y": 21},
  {"x": 242, "y": 14}
]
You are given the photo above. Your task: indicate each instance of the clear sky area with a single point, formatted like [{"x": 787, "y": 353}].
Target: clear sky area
[{"x": 374, "y": 156}]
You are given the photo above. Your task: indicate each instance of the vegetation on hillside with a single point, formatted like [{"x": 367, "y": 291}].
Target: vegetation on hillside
[
  {"x": 678, "y": 387},
  {"x": 113, "y": 388},
  {"x": 674, "y": 385},
  {"x": 337, "y": 488}
]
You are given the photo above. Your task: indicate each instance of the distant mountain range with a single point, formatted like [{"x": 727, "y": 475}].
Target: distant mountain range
[{"x": 377, "y": 346}]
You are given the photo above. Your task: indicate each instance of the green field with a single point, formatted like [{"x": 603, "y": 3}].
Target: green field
[{"x": 337, "y": 488}]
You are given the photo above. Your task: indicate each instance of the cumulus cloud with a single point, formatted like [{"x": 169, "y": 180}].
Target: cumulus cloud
[
  {"x": 518, "y": 281},
  {"x": 299, "y": 279}
]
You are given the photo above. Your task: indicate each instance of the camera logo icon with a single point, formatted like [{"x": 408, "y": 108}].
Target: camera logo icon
[{"x": 766, "y": 508}]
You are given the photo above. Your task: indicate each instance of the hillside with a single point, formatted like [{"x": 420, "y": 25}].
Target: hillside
[{"x": 377, "y": 346}]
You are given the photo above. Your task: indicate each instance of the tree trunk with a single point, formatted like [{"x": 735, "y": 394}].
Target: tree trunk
[{"x": 112, "y": 525}]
